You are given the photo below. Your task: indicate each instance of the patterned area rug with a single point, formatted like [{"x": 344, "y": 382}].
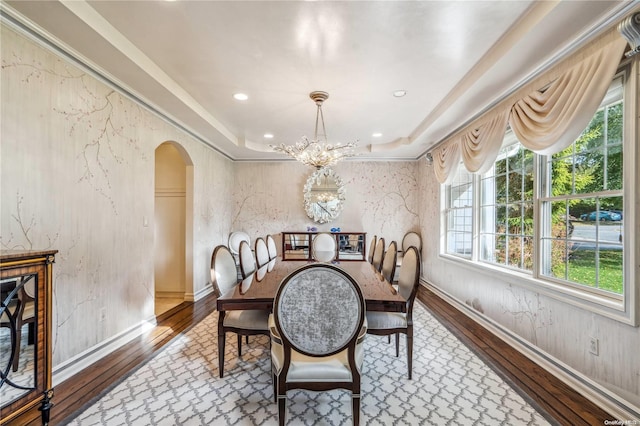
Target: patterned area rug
[{"x": 180, "y": 386}]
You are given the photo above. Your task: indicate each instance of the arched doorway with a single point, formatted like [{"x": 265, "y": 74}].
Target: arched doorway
[{"x": 172, "y": 224}]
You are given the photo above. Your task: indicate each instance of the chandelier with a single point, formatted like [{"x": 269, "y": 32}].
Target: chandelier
[{"x": 317, "y": 153}]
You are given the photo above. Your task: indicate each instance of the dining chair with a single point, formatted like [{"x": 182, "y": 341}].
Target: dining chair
[
  {"x": 247, "y": 261},
  {"x": 317, "y": 331},
  {"x": 271, "y": 247},
  {"x": 242, "y": 322},
  {"x": 372, "y": 249},
  {"x": 262, "y": 252},
  {"x": 387, "y": 323},
  {"x": 389, "y": 261},
  {"x": 410, "y": 239},
  {"x": 377, "y": 254},
  {"x": 324, "y": 247},
  {"x": 19, "y": 312}
]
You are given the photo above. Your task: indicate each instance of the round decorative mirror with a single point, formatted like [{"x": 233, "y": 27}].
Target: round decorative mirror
[{"x": 323, "y": 195}]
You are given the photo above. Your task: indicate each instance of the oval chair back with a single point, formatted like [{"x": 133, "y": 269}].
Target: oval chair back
[
  {"x": 389, "y": 261},
  {"x": 262, "y": 252},
  {"x": 271, "y": 247},
  {"x": 234, "y": 241},
  {"x": 324, "y": 247},
  {"x": 412, "y": 239},
  {"x": 377, "y": 254},
  {"x": 372, "y": 249},
  {"x": 224, "y": 274},
  {"x": 247, "y": 262}
]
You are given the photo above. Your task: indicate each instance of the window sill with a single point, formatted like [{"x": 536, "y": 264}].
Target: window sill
[{"x": 611, "y": 307}]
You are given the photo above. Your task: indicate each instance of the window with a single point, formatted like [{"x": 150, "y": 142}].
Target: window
[
  {"x": 556, "y": 221},
  {"x": 460, "y": 214},
  {"x": 582, "y": 204},
  {"x": 506, "y": 208}
]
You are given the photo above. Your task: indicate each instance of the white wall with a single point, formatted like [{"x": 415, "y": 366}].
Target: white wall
[
  {"x": 77, "y": 175},
  {"x": 381, "y": 199}
]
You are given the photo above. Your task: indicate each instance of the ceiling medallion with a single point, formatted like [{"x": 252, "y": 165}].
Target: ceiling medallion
[{"x": 316, "y": 152}]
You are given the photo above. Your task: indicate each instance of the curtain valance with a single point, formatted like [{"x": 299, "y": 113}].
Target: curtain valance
[{"x": 545, "y": 120}]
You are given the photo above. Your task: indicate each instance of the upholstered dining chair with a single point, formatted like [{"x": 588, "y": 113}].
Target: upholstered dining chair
[
  {"x": 389, "y": 261},
  {"x": 234, "y": 241},
  {"x": 324, "y": 247},
  {"x": 262, "y": 252},
  {"x": 271, "y": 247},
  {"x": 387, "y": 323},
  {"x": 410, "y": 239},
  {"x": 378, "y": 253},
  {"x": 317, "y": 331},
  {"x": 242, "y": 322},
  {"x": 372, "y": 249},
  {"x": 247, "y": 261}
]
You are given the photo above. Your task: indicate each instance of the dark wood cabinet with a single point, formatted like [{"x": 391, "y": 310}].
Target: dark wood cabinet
[
  {"x": 25, "y": 333},
  {"x": 351, "y": 245}
]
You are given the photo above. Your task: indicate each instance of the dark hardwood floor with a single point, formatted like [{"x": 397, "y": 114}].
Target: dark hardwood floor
[{"x": 551, "y": 397}]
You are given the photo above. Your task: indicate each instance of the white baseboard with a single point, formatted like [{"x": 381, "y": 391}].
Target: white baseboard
[
  {"x": 193, "y": 297},
  {"x": 84, "y": 359},
  {"x": 620, "y": 408}
]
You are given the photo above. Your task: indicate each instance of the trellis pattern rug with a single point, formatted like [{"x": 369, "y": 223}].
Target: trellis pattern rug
[{"x": 181, "y": 386}]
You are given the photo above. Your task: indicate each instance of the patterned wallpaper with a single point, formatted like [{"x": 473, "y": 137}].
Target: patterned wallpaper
[
  {"x": 77, "y": 175},
  {"x": 381, "y": 198}
]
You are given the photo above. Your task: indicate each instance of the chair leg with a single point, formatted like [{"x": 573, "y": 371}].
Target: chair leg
[
  {"x": 221, "y": 342},
  {"x": 397, "y": 344},
  {"x": 409, "y": 351},
  {"x": 282, "y": 409},
  {"x": 239, "y": 346},
  {"x": 388, "y": 338},
  {"x": 355, "y": 406},
  {"x": 247, "y": 339}
]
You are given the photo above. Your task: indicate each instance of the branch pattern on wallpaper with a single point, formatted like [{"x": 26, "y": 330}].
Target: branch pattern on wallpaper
[
  {"x": 392, "y": 190},
  {"x": 91, "y": 113},
  {"x": 254, "y": 210},
  {"x": 26, "y": 227},
  {"x": 529, "y": 309}
]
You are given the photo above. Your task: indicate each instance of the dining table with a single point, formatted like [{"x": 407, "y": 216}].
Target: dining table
[{"x": 258, "y": 290}]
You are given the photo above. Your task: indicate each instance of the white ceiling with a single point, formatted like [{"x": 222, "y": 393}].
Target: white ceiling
[{"x": 187, "y": 59}]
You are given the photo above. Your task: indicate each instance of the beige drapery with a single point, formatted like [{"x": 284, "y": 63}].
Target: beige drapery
[
  {"x": 547, "y": 121},
  {"x": 445, "y": 160},
  {"x": 547, "y": 115}
]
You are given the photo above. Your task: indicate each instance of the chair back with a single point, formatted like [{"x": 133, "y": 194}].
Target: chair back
[
  {"x": 319, "y": 311},
  {"x": 247, "y": 262},
  {"x": 271, "y": 247},
  {"x": 377, "y": 254},
  {"x": 372, "y": 249},
  {"x": 409, "y": 277},
  {"x": 262, "y": 252},
  {"x": 224, "y": 274},
  {"x": 389, "y": 261},
  {"x": 324, "y": 247},
  {"x": 234, "y": 241},
  {"x": 412, "y": 239}
]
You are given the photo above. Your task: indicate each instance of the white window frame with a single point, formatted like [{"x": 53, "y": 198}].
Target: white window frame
[{"x": 621, "y": 307}]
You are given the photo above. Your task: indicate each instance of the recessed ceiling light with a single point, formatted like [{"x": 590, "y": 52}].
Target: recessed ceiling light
[
  {"x": 240, "y": 97},
  {"x": 399, "y": 93},
  {"x": 268, "y": 136},
  {"x": 377, "y": 135}
]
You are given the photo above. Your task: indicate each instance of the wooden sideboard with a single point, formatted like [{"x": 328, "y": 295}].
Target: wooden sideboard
[
  {"x": 25, "y": 352},
  {"x": 352, "y": 246}
]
